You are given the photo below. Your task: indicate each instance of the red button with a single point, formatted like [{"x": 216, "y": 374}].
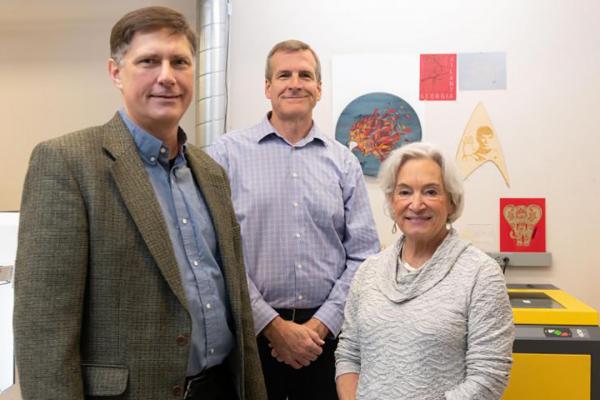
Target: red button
[{"x": 181, "y": 340}]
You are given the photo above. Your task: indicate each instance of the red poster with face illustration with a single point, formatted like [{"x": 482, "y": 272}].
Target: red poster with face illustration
[
  {"x": 438, "y": 77},
  {"x": 523, "y": 225}
]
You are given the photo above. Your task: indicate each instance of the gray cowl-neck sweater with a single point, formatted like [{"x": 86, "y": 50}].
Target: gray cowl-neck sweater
[{"x": 444, "y": 333}]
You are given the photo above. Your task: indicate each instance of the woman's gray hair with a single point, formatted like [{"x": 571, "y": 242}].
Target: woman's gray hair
[{"x": 421, "y": 150}]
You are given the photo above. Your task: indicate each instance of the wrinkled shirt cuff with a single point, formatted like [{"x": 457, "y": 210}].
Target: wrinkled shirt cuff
[
  {"x": 332, "y": 317},
  {"x": 263, "y": 314}
]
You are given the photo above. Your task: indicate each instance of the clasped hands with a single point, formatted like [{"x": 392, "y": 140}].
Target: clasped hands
[{"x": 295, "y": 344}]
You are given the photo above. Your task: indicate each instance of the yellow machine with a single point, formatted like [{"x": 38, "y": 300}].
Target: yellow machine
[{"x": 556, "y": 354}]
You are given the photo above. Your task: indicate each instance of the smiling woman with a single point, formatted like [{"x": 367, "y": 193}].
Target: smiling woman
[
  {"x": 431, "y": 304},
  {"x": 421, "y": 207}
]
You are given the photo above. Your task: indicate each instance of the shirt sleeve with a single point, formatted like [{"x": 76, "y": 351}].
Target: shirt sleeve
[
  {"x": 360, "y": 241},
  {"x": 218, "y": 152},
  {"x": 489, "y": 339},
  {"x": 262, "y": 312}
]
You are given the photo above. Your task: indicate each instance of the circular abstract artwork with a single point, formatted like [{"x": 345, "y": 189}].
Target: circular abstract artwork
[{"x": 373, "y": 125}]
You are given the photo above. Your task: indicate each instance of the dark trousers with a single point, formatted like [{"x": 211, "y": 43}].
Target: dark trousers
[
  {"x": 315, "y": 382},
  {"x": 214, "y": 383}
]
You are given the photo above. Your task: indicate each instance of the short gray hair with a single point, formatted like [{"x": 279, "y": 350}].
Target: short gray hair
[
  {"x": 421, "y": 150},
  {"x": 291, "y": 46}
]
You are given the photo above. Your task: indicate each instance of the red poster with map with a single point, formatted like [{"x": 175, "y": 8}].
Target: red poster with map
[
  {"x": 522, "y": 225},
  {"x": 438, "y": 77}
]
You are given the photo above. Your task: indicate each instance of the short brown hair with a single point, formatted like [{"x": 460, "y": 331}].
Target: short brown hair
[
  {"x": 144, "y": 20},
  {"x": 291, "y": 45}
]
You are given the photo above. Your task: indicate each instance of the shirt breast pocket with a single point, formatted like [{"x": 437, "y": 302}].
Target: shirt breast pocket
[{"x": 326, "y": 203}]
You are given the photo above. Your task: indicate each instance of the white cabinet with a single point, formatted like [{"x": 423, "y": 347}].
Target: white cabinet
[{"x": 9, "y": 222}]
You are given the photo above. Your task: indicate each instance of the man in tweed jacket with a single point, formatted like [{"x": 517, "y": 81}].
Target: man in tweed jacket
[{"x": 116, "y": 294}]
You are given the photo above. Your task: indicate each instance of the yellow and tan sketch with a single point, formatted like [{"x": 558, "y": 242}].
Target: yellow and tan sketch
[
  {"x": 479, "y": 145},
  {"x": 522, "y": 220}
]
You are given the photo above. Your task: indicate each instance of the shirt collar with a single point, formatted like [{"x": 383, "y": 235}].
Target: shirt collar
[
  {"x": 150, "y": 148},
  {"x": 267, "y": 131}
]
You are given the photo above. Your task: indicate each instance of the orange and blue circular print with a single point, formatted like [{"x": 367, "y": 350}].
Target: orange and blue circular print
[{"x": 373, "y": 125}]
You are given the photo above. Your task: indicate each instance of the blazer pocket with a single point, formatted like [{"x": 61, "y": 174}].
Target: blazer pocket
[{"x": 104, "y": 380}]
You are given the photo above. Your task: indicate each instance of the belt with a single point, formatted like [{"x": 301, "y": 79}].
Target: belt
[
  {"x": 214, "y": 380},
  {"x": 299, "y": 315}
]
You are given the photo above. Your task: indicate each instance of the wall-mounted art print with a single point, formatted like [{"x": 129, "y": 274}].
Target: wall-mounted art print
[
  {"x": 374, "y": 124},
  {"x": 480, "y": 144},
  {"x": 437, "y": 79},
  {"x": 523, "y": 225},
  {"x": 354, "y": 75},
  {"x": 482, "y": 71}
]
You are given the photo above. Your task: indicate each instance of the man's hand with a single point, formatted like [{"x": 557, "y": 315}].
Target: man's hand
[
  {"x": 294, "y": 344},
  {"x": 318, "y": 327}
]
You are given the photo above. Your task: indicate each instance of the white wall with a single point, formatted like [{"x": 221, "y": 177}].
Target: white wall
[
  {"x": 54, "y": 76},
  {"x": 547, "y": 120},
  {"x": 53, "y": 79}
]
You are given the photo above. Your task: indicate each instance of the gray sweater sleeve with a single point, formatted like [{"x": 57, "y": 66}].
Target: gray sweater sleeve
[
  {"x": 489, "y": 338},
  {"x": 347, "y": 355}
]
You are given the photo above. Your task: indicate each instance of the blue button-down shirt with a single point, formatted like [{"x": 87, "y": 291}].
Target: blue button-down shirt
[
  {"x": 194, "y": 243},
  {"x": 305, "y": 218}
]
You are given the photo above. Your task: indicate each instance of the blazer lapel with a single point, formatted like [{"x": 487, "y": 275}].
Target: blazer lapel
[{"x": 138, "y": 194}]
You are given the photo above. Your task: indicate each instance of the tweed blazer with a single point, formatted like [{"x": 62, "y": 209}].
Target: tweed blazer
[{"x": 100, "y": 309}]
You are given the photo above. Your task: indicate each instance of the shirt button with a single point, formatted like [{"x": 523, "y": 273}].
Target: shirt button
[
  {"x": 295, "y": 175},
  {"x": 299, "y": 266},
  {"x": 195, "y": 263},
  {"x": 181, "y": 340},
  {"x": 163, "y": 150},
  {"x": 300, "y": 297},
  {"x": 297, "y": 235},
  {"x": 152, "y": 159},
  {"x": 211, "y": 351},
  {"x": 184, "y": 220},
  {"x": 295, "y": 204},
  {"x": 177, "y": 391},
  {"x": 208, "y": 306}
]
